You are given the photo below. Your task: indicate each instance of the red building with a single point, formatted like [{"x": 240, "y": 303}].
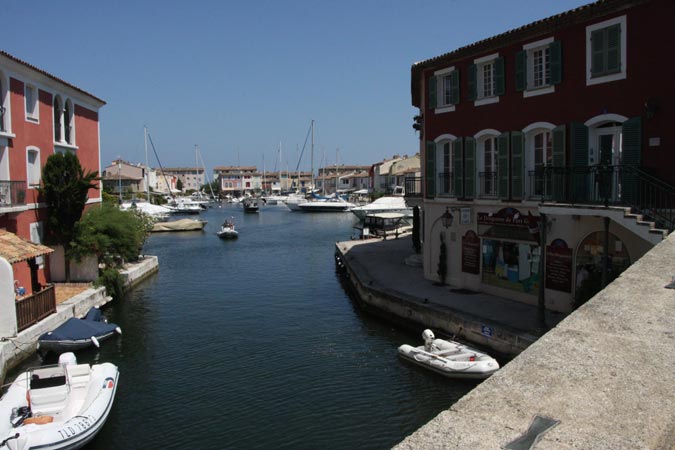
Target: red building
[
  {"x": 40, "y": 115},
  {"x": 564, "y": 123}
]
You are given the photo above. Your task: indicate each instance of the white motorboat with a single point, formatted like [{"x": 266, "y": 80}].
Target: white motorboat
[
  {"x": 387, "y": 204},
  {"x": 227, "y": 230},
  {"x": 57, "y": 407},
  {"x": 449, "y": 358},
  {"x": 335, "y": 204},
  {"x": 293, "y": 201},
  {"x": 154, "y": 211},
  {"x": 384, "y": 225},
  {"x": 251, "y": 204},
  {"x": 182, "y": 205}
]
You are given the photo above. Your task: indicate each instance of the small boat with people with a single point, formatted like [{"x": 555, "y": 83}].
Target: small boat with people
[
  {"x": 251, "y": 204},
  {"x": 449, "y": 358},
  {"x": 227, "y": 230},
  {"x": 76, "y": 334},
  {"x": 57, "y": 407}
]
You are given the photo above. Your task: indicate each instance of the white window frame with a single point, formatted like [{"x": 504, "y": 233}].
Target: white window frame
[
  {"x": 440, "y": 142},
  {"x": 530, "y": 49},
  {"x": 6, "y": 104},
  {"x": 33, "y": 171},
  {"x": 33, "y": 117},
  {"x": 480, "y": 64},
  {"x": 441, "y": 75},
  {"x": 36, "y": 236},
  {"x": 480, "y": 138},
  {"x": 622, "y": 74}
]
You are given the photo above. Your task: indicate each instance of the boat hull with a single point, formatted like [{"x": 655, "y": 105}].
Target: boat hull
[
  {"x": 45, "y": 346},
  {"x": 482, "y": 367}
]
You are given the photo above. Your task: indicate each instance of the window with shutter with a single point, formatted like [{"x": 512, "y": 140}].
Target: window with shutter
[
  {"x": 445, "y": 93},
  {"x": 486, "y": 79},
  {"x": 457, "y": 167},
  {"x": 469, "y": 167},
  {"x": 517, "y": 145},
  {"x": 539, "y": 67},
  {"x": 606, "y": 51},
  {"x": 430, "y": 174},
  {"x": 503, "y": 165}
]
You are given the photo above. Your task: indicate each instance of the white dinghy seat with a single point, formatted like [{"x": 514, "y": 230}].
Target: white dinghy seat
[{"x": 48, "y": 390}]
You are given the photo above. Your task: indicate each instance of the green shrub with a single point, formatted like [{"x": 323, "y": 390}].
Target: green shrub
[{"x": 113, "y": 282}]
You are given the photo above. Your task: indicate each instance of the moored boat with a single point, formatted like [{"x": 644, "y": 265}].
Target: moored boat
[
  {"x": 381, "y": 205},
  {"x": 251, "y": 205},
  {"x": 76, "y": 334},
  {"x": 449, "y": 358},
  {"x": 57, "y": 407},
  {"x": 179, "y": 225},
  {"x": 330, "y": 205}
]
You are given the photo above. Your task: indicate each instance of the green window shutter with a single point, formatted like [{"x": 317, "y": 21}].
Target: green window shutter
[
  {"x": 503, "y": 165},
  {"x": 597, "y": 52},
  {"x": 579, "y": 150},
  {"x": 472, "y": 83},
  {"x": 521, "y": 71},
  {"x": 555, "y": 179},
  {"x": 613, "y": 61},
  {"x": 517, "y": 144},
  {"x": 430, "y": 159},
  {"x": 555, "y": 51},
  {"x": 454, "y": 87},
  {"x": 457, "y": 167},
  {"x": 431, "y": 86},
  {"x": 632, "y": 142},
  {"x": 469, "y": 167},
  {"x": 631, "y": 156},
  {"x": 500, "y": 86}
]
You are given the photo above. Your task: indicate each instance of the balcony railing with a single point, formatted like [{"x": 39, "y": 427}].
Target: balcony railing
[
  {"x": 35, "y": 307},
  {"x": 413, "y": 186},
  {"x": 445, "y": 185},
  {"x": 12, "y": 193},
  {"x": 488, "y": 185}
]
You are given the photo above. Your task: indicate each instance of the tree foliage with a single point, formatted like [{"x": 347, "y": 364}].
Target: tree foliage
[
  {"x": 64, "y": 189},
  {"x": 111, "y": 234}
]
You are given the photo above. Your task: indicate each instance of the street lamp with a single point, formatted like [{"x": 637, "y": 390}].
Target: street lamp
[{"x": 447, "y": 217}]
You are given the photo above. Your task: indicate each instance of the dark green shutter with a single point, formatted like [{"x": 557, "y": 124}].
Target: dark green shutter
[
  {"x": 631, "y": 156},
  {"x": 517, "y": 144},
  {"x": 597, "y": 52},
  {"x": 469, "y": 167},
  {"x": 454, "y": 87},
  {"x": 431, "y": 86},
  {"x": 555, "y": 177},
  {"x": 500, "y": 86},
  {"x": 430, "y": 174},
  {"x": 503, "y": 165},
  {"x": 613, "y": 61},
  {"x": 457, "y": 167},
  {"x": 555, "y": 53},
  {"x": 472, "y": 82},
  {"x": 521, "y": 71},
  {"x": 579, "y": 150}
]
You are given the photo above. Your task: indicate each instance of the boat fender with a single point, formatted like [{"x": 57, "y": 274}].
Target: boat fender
[
  {"x": 118, "y": 330},
  {"x": 95, "y": 341}
]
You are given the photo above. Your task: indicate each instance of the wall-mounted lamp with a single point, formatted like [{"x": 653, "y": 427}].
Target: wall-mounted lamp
[
  {"x": 447, "y": 217},
  {"x": 650, "y": 107}
]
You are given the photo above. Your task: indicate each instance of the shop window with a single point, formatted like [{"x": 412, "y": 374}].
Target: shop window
[
  {"x": 589, "y": 264},
  {"x": 511, "y": 265}
]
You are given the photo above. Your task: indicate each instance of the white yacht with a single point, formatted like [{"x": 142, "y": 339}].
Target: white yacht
[{"x": 381, "y": 205}]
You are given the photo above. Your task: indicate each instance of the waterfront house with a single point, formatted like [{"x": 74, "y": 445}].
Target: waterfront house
[
  {"x": 547, "y": 153},
  {"x": 122, "y": 176},
  {"x": 40, "y": 114},
  {"x": 192, "y": 178},
  {"x": 238, "y": 180}
]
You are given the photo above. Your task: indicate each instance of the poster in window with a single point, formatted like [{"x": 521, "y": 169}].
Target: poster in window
[
  {"x": 471, "y": 253},
  {"x": 559, "y": 266}
]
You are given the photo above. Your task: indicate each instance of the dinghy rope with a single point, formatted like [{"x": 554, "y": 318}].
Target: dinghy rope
[{"x": 16, "y": 436}]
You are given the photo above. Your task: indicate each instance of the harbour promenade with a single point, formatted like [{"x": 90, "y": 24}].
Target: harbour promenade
[
  {"x": 602, "y": 378},
  {"x": 15, "y": 349}
]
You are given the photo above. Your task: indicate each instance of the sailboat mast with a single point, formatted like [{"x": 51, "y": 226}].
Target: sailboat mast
[
  {"x": 312, "y": 159},
  {"x": 147, "y": 167}
]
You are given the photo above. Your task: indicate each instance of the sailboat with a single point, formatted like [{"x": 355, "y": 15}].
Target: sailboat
[
  {"x": 294, "y": 200},
  {"x": 332, "y": 204}
]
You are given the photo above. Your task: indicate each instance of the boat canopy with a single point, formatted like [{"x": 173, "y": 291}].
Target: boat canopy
[{"x": 77, "y": 329}]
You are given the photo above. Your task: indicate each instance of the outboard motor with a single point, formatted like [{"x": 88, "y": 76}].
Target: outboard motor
[
  {"x": 429, "y": 337},
  {"x": 67, "y": 359}
]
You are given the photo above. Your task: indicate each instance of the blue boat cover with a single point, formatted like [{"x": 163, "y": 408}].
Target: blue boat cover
[{"x": 78, "y": 329}]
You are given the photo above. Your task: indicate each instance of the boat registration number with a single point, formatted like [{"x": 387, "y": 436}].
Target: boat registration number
[{"x": 75, "y": 426}]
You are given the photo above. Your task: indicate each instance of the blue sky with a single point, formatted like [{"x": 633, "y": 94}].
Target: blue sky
[{"x": 237, "y": 78}]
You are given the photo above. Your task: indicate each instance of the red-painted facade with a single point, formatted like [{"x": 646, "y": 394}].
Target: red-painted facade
[
  {"x": 648, "y": 78},
  {"x": 22, "y": 209}
]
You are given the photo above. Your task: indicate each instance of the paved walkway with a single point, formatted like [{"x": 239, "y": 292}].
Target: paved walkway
[{"x": 382, "y": 265}]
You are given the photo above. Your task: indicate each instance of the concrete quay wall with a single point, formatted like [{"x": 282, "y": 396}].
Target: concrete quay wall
[
  {"x": 14, "y": 350},
  {"x": 373, "y": 294},
  {"x": 604, "y": 376}
]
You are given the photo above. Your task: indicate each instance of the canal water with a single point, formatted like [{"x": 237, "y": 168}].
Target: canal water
[{"x": 255, "y": 344}]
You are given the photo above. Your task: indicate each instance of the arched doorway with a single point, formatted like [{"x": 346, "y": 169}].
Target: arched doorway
[{"x": 589, "y": 263}]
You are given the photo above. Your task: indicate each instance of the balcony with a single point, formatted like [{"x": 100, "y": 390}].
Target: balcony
[
  {"x": 35, "y": 307},
  {"x": 445, "y": 187},
  {"x": 488, "y": 185},
  {"x": 12, "y": 193},
  {"x": 413, "y": 187}
]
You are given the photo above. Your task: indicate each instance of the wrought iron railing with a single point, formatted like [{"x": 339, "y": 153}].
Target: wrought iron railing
[
  {"x": 609, "y": 185},
  {"x": 12, "y": 193},
  {"x": 445, "y": 186},
  {"x": 488, "y": 185},
  {"x": 35, "y": 307},
  {"x": 413, "y": 186}
]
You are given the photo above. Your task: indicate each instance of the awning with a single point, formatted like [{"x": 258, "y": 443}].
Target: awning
[{"x": 15, "y": 249}]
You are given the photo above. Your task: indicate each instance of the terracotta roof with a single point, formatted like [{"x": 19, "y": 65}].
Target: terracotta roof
[
  {"x": 543, "y": 26},
  {"x": 15, "y": 249},
  {"x": 24, "y": 63}
]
